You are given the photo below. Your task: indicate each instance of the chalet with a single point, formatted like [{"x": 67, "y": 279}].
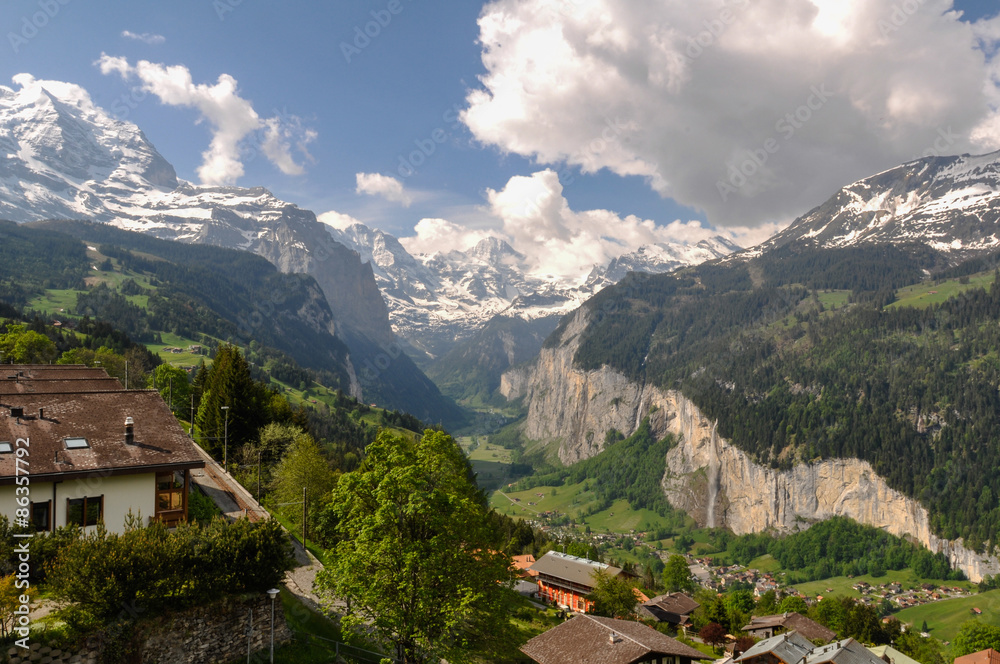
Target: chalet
[
  {"x": 522, "y": 565},
  {"x": 764, "y": 627},
  {"x": 674, "y": 609},
  {"x": 566, "y": 580},
  {"x": 93, "y": 452},
  {"x": 793, "y": 648},
  {"x": 586, "y": 638},
  {"x": 890, "y": 655},
  {"x": 988, "y": 656}
]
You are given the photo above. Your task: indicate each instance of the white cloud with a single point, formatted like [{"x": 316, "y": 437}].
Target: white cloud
[
  {"x": 388, "y": 187},
  {"x": 440, "y": 235},
  {"x": 145, "y": 37},
  {"x": 233, "y": 120},
  {"x": 337, "y": 220},
  {"x": 804, "y": 95},
  {"x": 532, "y": 215}
]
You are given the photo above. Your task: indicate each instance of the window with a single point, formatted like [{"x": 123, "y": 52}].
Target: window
[
  {"x": 41, "y": 516},
  {"x": 169, "y": 493},
  {"x": 76, "y": 443},
  {"x": 6, "y": 447},
  {"x": 85, "y": 511}
]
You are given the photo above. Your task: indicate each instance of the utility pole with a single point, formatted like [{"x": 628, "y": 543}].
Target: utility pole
[
  {"x": 192, "y": 415},
  {"x": 225, "y": 449},
  {"x": 170, "y": 388},
  {"x": 303, "y": 517},
  {"x": 258, "y": 477}
]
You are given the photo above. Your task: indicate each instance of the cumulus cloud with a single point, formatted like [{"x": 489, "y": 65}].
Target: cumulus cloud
[
  {"x": 389, "y": 188},
  {"x": 533, "y": 216},
  {"x": 236, "y": 126},
  {"x": 337, "y": 220},
  {"x": 433, "y": 236},
  {"x": 753, "y": 111},
  {"x": 146, "y": 37}
]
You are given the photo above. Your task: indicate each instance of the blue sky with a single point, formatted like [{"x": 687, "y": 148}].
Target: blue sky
[{"x": 413, "y": 78}]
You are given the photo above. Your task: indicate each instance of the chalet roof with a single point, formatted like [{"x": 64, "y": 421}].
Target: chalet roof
[
  {"x": 988, "y": 656},
  {"x": 891, "y": 655},
  {"x": 678, "y": 603},
  {"x": 588, "y": 639},
  {"x": 571, "y": 568},
  {"x": 56, "y": 385},
  {"x": 847, "y": 651},
  {"x": 52, "y": 371},
  {"x": 789, "y": 647},
  {"x": 99, "y": 417},
  {"x": 810, "y": 629}
]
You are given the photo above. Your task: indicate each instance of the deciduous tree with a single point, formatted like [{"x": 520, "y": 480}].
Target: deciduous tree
[{"x": 416, "y": 560}]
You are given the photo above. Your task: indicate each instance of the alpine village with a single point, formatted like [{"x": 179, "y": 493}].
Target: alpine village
[{"x": 500, "y": 407}]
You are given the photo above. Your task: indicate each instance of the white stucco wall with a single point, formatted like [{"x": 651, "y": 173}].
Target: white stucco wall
[{"x": 121, "y": 494}]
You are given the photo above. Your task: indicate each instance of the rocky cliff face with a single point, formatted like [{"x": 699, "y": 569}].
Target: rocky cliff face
[{"x": 713, "y": 481}]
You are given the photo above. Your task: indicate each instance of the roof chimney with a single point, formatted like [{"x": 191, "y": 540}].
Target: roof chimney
[
  {"x": 41, "y": 413},
  {"x": 615, "y": 638},
  {"x": 129, "y": 431}
]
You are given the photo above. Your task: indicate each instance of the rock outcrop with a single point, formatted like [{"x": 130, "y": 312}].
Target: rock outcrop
[{"x": 716, "y": 483}]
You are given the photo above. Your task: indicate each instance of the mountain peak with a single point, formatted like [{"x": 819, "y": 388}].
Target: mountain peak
[
  {"x": 492, "y": 250},
  {"x": 952, "y": 204}
]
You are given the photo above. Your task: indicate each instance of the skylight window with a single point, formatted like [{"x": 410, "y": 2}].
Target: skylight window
[
  {"x": 76, "y": 443},
  {"x": 6, "y": 448}
]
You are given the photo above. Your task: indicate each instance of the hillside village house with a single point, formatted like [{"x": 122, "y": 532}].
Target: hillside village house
[
  {"x": 764, "y": 627},
  {"x": 94, "y": 452},
  {"x": 674, "y": 609},
  {"x": 793, "y": 648},
  {"x": 608, "y": 641},
  {"x": 566, "y": 580}
]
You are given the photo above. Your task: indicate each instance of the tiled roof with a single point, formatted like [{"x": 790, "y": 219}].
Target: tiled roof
[
  {"x": 790, "y": 648},
  {"x": 572, "y": 569},
  {"x": 678, "y": 603},
  {"x": 810, "y": 629},
  {"x": 988, "y": 656},
  {"x": 847, "y": 651},
  {"x": 56, "y": 385},
  {"x": 589, "y": 639},
  {"x": 891, "y": 655},
  {"x": 99, "y": 417}
]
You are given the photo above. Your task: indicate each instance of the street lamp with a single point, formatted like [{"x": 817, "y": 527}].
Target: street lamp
[
  {"x": 272, "y": 593},
  {"x": 225, "y": 449}
]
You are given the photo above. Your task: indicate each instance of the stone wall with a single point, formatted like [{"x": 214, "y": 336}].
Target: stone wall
[{"x": 211, "y": 634}]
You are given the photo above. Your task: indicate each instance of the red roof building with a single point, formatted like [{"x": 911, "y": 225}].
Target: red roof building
[{"x": 566, "y": 580}]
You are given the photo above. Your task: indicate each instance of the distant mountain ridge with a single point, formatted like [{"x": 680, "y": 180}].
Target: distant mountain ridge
[
  {"x": 951, "y": 204},
  {"x": 437, "y": 299},
  {"x": 69, "y": 159}
]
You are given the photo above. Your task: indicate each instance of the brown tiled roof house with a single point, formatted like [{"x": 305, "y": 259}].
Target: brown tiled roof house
[
  {"x": 587, "y": 639},
  {"x": 673, "y": 608},
  {"x": 88, "y": 451},
  {"x": 988, "y": 656},
  {"x": 764, "y": 627}
]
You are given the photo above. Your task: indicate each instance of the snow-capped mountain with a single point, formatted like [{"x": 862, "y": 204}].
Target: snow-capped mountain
[
  {"x": 951, "y": 204},
  {"x": 435, "y": 300},
  {"x": 66, "y": 158}
]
